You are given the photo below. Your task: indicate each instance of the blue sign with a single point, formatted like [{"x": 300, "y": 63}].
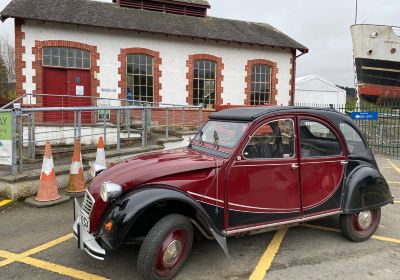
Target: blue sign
[{"x": 364, "y": 116}]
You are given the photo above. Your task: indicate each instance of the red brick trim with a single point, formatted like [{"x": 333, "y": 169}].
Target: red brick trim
[
  {"x": 157, "y": 61},
  {"x": 37, "y": 64},
  {"x": 274, "y": 79},
  {"x": 219, "y": 77},
  {"x": 292, "y": 81},
  {"x": 20, "y": 78}
]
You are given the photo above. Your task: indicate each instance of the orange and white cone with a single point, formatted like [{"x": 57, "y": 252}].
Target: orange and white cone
[
  {"x": 48, "y": 190},
  {"x": 100, "y": 163},
  {"x": 76, "y": 181}
]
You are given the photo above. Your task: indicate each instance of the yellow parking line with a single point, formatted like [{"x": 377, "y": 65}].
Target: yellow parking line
[
  {"x": 5, "y": 202},
  {"x": 266, "y": 260},
  {"x": 397, "y": 183},
  {"x": 63, "y": 270},
  {"x": 377, "y": 237},
  {"x": 47, "y": 245},
  {"x": 394, "y": 166}
]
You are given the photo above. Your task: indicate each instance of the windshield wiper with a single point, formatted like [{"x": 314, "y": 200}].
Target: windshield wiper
[
  {"x": 201, "y": 136},
  {"x": 216, "y": 138}
]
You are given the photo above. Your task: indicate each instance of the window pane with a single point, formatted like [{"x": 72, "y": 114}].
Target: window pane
[
  {"x": 204, "y": 83},
  {"x": 272, "y": 140},
  {"x": 354, "y": 142},
  {"x": 318, "y": 140},
  {"x": 66, "y": 57},
  {"x": 141, "y": 67}
]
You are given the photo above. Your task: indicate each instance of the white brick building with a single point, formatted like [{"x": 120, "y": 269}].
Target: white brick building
[{"x": 123, "y": 50}]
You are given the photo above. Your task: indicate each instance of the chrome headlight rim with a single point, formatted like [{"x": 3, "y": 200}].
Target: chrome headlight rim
[{"x": 109, "y": 191}]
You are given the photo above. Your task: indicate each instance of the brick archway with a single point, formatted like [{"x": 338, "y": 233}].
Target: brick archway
[
  {"x": 219, "y": 77},
  {"x": 157, "y": 61},
  {"x": 274, "y": 79}
]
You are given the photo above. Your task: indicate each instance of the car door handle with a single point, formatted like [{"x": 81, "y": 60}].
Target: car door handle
[
  {"x": 295, "y": 166},
  {"x": 344, "y": 162}
]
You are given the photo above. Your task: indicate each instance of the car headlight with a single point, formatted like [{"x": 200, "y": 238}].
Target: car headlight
[{"x": 110, "y": 191}]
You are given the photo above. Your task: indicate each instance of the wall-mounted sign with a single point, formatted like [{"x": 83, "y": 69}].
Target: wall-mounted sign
[
  {"x": 80, "y": 90},
  {"x": 6, "y": 138},
  {"x": 364, "y": 116},
  {"x": 103, "y": 115},
  {"x": 113, "y": 90}
]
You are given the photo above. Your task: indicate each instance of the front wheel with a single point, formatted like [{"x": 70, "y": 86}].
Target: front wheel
[
  {"x": 360, "y": 226},
  {"x": 165, "y": 248}
]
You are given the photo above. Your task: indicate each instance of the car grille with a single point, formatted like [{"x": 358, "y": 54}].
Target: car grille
[{"x": 87, "y": 204}]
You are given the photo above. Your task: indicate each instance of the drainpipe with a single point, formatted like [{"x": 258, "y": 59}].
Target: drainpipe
[{"x": 295, "y": 57}]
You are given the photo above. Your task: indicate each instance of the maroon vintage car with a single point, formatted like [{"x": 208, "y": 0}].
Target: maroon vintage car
[{"x": 247, "y": 170}]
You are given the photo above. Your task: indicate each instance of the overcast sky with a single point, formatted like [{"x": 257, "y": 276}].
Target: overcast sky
[{"x": 321, "y": 25}]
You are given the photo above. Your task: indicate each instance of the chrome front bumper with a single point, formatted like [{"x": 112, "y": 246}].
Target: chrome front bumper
[{"x": 86, "y": 241}]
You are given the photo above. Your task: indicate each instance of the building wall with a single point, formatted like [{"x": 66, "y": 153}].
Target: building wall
[{"x": 174, "y": 53}]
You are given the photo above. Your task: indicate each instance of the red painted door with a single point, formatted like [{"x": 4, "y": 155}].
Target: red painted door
[
  {"x": 263, "y": 182},
  {"x": 55, "y": 85},
  {"x": 79, "y": 90},
  {"x": 322, "y": 166}
]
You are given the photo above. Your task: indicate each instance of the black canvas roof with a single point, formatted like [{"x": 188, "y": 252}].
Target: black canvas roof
[
  {"x": 110, "y": 15},
  {"x": 252, "y": 113}
]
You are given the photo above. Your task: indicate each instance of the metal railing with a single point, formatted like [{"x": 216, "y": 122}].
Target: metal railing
[
  {"x": 383, "y": 134},
  {"x": 131, "y": 123}
]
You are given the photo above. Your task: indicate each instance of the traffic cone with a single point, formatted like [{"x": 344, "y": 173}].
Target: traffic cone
[
  {"x": 76, "y": 181},
  {"x": 100, "y": 163},
  {"x": 48, "y": 190}
]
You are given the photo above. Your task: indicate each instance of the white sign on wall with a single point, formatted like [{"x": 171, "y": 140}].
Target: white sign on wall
[{"x": 80, "y": 90}]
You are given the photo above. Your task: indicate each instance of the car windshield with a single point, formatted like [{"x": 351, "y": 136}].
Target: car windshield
[{"x": 222, "y": 133}]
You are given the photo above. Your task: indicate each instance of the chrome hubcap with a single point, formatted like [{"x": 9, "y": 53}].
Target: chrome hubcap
[
  {"x": 364, "y": 219},
  {"x": 172, "y": 253}
]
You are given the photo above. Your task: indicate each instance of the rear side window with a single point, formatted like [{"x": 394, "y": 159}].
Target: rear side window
[
  {"x": 317, "y": 140},
  {"x": 354, "y": 142}
]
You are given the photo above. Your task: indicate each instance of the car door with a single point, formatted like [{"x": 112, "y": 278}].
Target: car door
[
  {"x": 322, "y": 165},
  {"x": 263, "y": 181}
]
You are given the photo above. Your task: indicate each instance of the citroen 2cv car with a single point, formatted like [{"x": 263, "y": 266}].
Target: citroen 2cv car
[{"x": 247, "y": 170}]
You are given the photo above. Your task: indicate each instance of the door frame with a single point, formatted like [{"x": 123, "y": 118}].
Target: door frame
[{"x": 239, "y": 153}]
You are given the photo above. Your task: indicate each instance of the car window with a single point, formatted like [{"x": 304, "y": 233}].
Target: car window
[
  {"x": 354, "y": 142},
  {"x": 317, "y": 140},
  {"x": 271, "y": 141}
]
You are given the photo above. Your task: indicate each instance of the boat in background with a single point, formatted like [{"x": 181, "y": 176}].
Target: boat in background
[{"x": 377, "y": 59}]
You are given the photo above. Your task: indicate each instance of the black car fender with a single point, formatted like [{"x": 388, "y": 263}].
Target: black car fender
[
  {"x": 125, "y": 211},
  {"x": 365, "y": 189}
]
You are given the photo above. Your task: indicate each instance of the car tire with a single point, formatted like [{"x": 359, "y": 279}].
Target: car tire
[
  {"x": 165, "y": 248},
  {"x": 360, "y": 226}
]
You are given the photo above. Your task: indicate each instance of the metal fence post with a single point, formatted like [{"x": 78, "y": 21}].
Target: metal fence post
[
  {"x": 20, "y": 140},
  {"x": 79, "y": 124},
  {"x": 128, "y": 122},
  {"x": 105, "y": 130},
  {"x": 30, "y": 135},
  {"x": 166, "y": 124},
  {"x": 33, "y": 129},
  {"x": 144, "y": 127},
  {"x": 118, "y": 129},
  {"x": 200, "y": 117},
  {"x": 75, "y": 124},
  {"x": 14, "y": 166},
  {"x": 183, "y": 119}
]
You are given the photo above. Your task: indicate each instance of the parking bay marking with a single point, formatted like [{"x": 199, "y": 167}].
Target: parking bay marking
[
  {"x": 63, "y": 270},
  {"x": 266, "y": 260},
  {"x": 5, "y": 202},
  {"x": 376, "y": 237},
  {"x": 394, "y": 166}
]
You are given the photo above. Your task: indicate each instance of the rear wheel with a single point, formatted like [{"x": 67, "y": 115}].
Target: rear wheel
[
  {"x": 165, "y": 248},
  {"x": 360, "y": 226}
]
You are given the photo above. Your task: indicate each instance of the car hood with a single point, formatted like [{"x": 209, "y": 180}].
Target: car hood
[{"x": 142, "y": 169}]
